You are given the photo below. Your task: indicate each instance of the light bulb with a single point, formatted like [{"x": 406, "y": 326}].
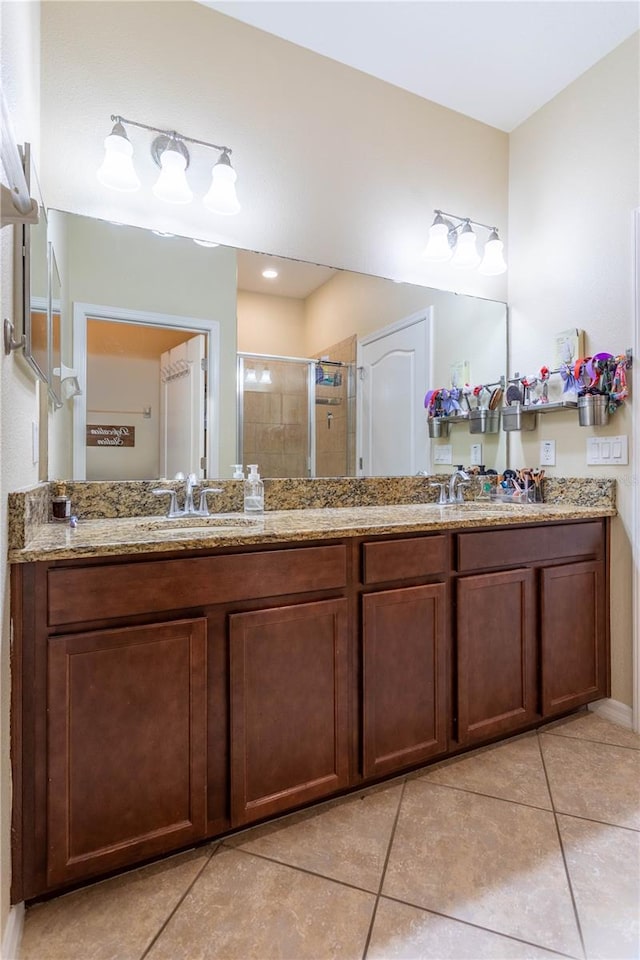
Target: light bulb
[
  {"x": 117, "y": 170},
  {"x": 269, "y": 273},
  {"x": 172, "y": 185},
  {"x": 221, "y": 197},
  {"x": 493, "y": 262},
  {"x": 438, "y": 248},
  {"x": 466, "y": 254}
]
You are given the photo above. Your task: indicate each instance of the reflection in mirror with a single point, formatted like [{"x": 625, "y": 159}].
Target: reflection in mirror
[
  {"x": 361, "y": 350},
  {"x": 54, "y": 307},
  {"x": 36, "y": 285}
]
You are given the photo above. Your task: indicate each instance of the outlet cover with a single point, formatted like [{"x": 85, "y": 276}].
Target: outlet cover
[
  {"x": 475, "y": 458},
  {"x": 547, "y": 453},
  {"x": 442, "y": 453}
]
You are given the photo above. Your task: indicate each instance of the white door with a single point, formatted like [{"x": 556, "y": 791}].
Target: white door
[
  {"x": 182, "y": 409},
  {"x": 394, "y": 372}
]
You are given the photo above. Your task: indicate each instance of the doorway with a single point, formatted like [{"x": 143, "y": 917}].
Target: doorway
[{"x": 114, "y": 389}]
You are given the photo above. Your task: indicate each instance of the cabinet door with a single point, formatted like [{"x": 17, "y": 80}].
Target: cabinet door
[
  {"x": 127, "y": 748},
  {"x": 574, "y": 636},
  {"x": 289, "y": 705},
  {"x": 404, "y": 677},
  {"x": 496, "y": 654}
]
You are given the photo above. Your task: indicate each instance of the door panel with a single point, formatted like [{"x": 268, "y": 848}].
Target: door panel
[
  {"x": 288, "y": 707},
  {"x": 182, "y": 408},
  {"x": 127, "y": 745},
  {"x": 404, "y": 682},
  {"x": 497, "y": 671}
]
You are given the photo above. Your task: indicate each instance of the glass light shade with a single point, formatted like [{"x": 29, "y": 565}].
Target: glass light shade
[
  {"x": 466, "y": 254},
  {"x": 493, "y": 262},
  {"x": 265, "y": 376},
  {"x": 438, "y": 248},
  {"x": 221, "y": 197},
  {"x": 117, "y": 170},
  {"x": 250, "y": 376},
  {"x": 172, "y": 185}
]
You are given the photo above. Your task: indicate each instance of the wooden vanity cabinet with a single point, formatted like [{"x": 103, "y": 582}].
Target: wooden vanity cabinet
[
  {"x": 405, "y": 654},
  {"x": 532, "y": 641},
  {"x": 162, "y": 700}
]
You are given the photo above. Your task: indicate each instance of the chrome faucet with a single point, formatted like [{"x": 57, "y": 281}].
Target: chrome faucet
[
  {"x": 189, "y": 509},
  {"x": 455, "y": 491}
]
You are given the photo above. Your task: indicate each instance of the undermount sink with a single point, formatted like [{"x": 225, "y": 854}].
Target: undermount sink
[{"x": 212, "y": 521}]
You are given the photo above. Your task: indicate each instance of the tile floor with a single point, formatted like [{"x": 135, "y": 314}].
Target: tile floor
[{"x": 526, "y": 849}]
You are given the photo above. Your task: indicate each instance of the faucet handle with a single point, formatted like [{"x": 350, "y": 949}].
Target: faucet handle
[
  {"x": 462, "y": 483},
  {"x": 442, "y": 499},
  {"x": 203, "y": 509},
  {"x": 173, "y": 502}
]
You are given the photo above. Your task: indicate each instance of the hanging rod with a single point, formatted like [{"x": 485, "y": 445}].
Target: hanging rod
[{"x": 16, "y": 203}]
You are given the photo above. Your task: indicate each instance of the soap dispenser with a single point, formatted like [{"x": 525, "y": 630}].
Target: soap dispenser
[
  {"x": 253, "y": 491},
  {"x": 238, "y": 472}
]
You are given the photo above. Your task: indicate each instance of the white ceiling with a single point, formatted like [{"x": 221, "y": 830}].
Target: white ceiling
[
  {"x": 295, "y": 278},
  {"x": 498, "y": 61}
]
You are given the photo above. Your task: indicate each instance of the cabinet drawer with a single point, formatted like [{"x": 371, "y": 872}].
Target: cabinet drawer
[
  {"x": 505, "y": 548},
  {"x": 403, "y": 559},
  {"x": 80, "y": 594}
]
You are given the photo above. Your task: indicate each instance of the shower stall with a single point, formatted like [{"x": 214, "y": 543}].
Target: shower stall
[{"x": 296, "y": 415}]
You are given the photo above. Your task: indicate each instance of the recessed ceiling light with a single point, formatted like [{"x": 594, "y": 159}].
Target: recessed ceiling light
[
  {"x": 159, "y": 233},
  {"x": 205, "y": 243},
  {"x": 269, "y": 273}
]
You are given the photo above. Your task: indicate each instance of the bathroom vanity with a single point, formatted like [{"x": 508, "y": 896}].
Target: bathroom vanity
[{"x": 180, "y": 689}]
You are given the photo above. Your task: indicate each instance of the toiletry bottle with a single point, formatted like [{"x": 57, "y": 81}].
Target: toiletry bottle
[
  {"x": 238, "y": 473},
  {"x": 253, "y": 491}
]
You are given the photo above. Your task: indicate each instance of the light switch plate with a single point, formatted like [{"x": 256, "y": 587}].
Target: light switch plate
[
  {"x": 475, "y": 457},
  {"x": 547, "y": 453},
  {"x": 608, "y": 451},
  {"x": 442, "y": 453}
]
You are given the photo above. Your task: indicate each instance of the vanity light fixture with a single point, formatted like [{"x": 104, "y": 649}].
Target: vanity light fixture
[
  {"x": 170, "y": 153},
  {"x": 457, "y": 242}
]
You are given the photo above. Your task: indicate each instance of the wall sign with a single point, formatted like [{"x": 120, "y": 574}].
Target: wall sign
[{"x": 107, "y": 435}]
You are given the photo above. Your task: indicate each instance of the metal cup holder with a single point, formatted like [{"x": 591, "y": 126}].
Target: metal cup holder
[
  {"x": 438, "y": 427},
  {"x": 518, "y": 417},
  {"x": 593, "y": 410},
  {"x": 484, "y": 421}
]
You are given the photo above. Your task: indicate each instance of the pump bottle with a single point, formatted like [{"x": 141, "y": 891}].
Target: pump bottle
[{"x": 253, "y": 491}]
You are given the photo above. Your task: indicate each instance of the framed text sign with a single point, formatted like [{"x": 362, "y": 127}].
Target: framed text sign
[{"x": 109, "y": 435}]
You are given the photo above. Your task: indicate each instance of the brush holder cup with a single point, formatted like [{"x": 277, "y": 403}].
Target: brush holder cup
[
  {"x": 518, "y": 417},
  {"x": 593, "y": 410},
  {"x": 484, "y": 421},
  {"x": 438, "y": 427}
]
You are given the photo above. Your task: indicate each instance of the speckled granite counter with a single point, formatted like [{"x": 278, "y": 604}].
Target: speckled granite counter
[{"x": 96, "y": 538}]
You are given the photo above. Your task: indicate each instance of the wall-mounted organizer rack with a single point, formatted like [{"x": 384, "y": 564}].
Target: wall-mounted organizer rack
[{"x": 595, "y": 387}]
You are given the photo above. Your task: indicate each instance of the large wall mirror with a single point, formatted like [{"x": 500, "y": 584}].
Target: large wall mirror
[{"x": 188, "y": 356}]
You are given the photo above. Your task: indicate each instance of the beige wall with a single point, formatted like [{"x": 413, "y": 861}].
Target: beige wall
[
  {"x": 269, "y": 324},
  {"x": 320, "y": 177},
  {"x": 574, "y": 183},
  {"x": 20, "y": 75}
]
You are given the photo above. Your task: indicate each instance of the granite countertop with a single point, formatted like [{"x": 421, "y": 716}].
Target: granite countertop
[{"x": 148, "y": 534}]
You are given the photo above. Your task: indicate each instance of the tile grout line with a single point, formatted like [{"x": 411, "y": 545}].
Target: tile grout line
[
  {"x": 600, "y": 823},
  {"x": 172, "y": 913},
  {"x": 564, "y": 858},
  {"x": 478, "y": 793},
  {"x": 477, "y": 926},
  {"x": 384, "y": 871},
  {"x": 292, "y": 866},
  {"x": 601, "y": 743}
]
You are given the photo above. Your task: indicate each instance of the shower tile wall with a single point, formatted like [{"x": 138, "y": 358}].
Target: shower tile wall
[
  {"x": 275, "y": 431},
  {"x": 335, "y": 423}
]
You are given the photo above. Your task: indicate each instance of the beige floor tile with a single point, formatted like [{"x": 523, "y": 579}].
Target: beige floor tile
[
  {"x": 511, "y": 771},
  {"x": 490, "y": 862},
  {"x": 244, "y": 907},
  {"x": 401, "y": 932},
  {"x": 346, "y": 840},
  {"x": 604, "y": 867},
  {"x": 589, "y": 726},
  {"x": 593, "y": 780},
  {"x": 113, "y": 920}
]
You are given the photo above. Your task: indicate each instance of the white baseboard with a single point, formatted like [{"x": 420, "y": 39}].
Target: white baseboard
[
  {"x": 615, "y": 711},
  {"x": 13, "y": 933}
]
